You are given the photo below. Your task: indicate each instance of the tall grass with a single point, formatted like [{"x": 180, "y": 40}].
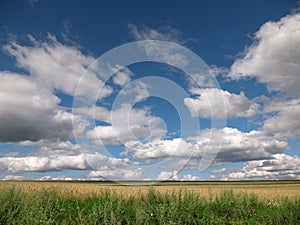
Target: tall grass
[{"x": 50, "y": 207}]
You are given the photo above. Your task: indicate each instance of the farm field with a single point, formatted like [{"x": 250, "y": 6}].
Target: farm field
[
  {"x": 258, "y": 202},
  {"x": 264, "y": 190}
]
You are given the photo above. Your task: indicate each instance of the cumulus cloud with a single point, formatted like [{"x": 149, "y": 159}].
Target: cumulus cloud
[
  {"x": 58, "y": 67},
  {"x": 122, "y": 75},
  {"x": 49, "y": 148},
  {"x": 14, "y": 177},
  {"x": 120, "y": 174},
  {"x": 217, "y": 103},
  {"x": 126, "y": 123},
  {"x": 108, "y": 168},
  {"x": 240, "y": 146},
  {"x": 65, "y": 178},
  {"x": 137, "y": 89},
  {"x": 133, "y": 92},
  {"x": 285, "y": 123},
  {"x": 237, "y": 146},
  {"x": 62, "y": 157},
  {"x": 164, "y": 175},
  {"x": 101, "y": 162},
  {"x": 158, "y": 148},
  {"x": 42, "y": 164},
  {"x": 273, "y": 58},
  {"x": 29, "y": 112},
  {"x": 281, "y": 166}
]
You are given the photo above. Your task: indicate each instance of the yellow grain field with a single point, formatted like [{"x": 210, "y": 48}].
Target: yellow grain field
[{"x": 265, "y": 190}]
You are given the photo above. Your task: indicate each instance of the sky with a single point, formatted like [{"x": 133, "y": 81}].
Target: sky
[{"x": 156, "y": 90}]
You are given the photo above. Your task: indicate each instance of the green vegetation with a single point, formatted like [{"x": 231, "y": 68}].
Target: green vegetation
[{"x": 51, "y": 207}]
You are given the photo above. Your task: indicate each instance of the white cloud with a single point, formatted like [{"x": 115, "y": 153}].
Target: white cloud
[
  {"x": 166, "y": 33},
  {"x": 29, "y": 112},
  {"x": 285, "y": 123},
  {"x": 101, "y": 162},
  {"x": 14, "y": 85},
  {"x": 61, "y": 160},
  {"x": 122, "y": 75},
  {"x": 119, "y": 174},
  {"x": 14, "y": 177},
  {"x": 58, "y": 67},
  {"x": 237, "y": 146},
  {"x": 42, "y": 164},
  {"x": 176, "y": 176},
  {"x": 203, "y": 80},
  {"x": 161, "y": 52},
  {"x": 65, "y": 178},
  {"x": 52, "y": 149},
  {"x": 274, "y": 56},
  {"x": 126, "y": 123},
  {"x": 108, "y": 168},
  {"x": 218, "y": 71},
  {"x": 281, "y": 166},
  {"x": 217, "y": 103},
  {"x": 137, "y": 89},
  {"x": 224, "y": 170},
  {"x": 240, "y": 146},
  {"x": 160, "y": 148}
]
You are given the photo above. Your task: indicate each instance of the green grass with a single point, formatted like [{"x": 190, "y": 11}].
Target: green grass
[{"x": 50, "y": 207}]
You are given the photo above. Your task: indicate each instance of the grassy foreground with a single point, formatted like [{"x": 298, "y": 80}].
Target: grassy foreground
[{"x": 49, "y": 207}]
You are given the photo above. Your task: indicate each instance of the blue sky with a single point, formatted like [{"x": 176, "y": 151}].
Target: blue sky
[{"x": 115, "y": 90}]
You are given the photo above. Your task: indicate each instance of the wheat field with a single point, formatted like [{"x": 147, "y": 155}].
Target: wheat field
[{"x": 264, "y": 190}]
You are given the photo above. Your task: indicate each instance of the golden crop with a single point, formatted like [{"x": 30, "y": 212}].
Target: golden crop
[{"x": 265, "y": 190}]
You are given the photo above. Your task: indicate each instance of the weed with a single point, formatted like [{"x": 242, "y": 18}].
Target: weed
[{"x": 49, "y": 206}]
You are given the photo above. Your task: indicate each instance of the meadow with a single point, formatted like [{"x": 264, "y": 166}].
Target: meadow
[{"x": 259, "y": 202}]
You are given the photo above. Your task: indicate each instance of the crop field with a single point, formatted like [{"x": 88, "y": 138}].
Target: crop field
[{"x": 257, "y": 202}]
